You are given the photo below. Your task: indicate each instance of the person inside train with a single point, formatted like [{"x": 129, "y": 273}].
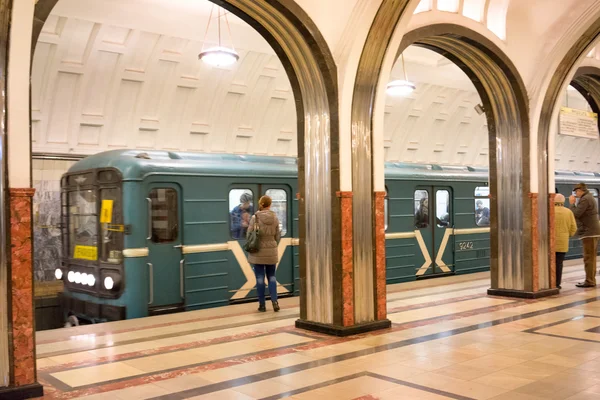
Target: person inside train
[
  {"x": 422, "y": 214},
  {"x": 264, "y": 261},
  {"x": 586, "y": 214},
  {"x": 564, "y": 227},
  {"x": 482, "y": 214},
  {"x": 444, "y": 220},
  {"x": 240, "y": 216}
]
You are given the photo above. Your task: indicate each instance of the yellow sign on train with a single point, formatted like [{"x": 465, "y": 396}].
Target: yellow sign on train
[
  {"x": 86, "y": 253},
  {"x": 106, "y": 212}
]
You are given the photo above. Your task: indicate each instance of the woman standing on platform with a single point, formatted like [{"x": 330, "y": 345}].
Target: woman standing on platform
[
  {"x": 264, "y": 261},
  {"x": 564, "y": 227}
]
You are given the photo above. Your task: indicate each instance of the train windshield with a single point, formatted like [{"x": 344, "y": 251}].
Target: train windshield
[
  {"x": 83, "y": 225},
  {"x": 93, "y": 229}
]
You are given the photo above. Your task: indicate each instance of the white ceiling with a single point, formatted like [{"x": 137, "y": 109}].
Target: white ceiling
[
  {"x": 426, "y": 66},
  {"x": 124, "y": 73},
  {"x": 186, "y": 19}
]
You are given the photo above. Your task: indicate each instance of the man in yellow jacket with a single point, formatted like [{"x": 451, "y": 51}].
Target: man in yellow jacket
[{"x": 564, "y": 227}]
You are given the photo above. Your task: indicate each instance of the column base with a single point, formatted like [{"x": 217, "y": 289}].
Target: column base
[
  {"x": 523, "y": 294},
  {"x": 22, "y": 392},
  {"x": 337, "y": 330}
]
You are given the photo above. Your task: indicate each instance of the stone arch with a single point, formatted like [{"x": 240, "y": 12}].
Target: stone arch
[
  {"x": 505, "y": 100},
  {"x": 564, "y": 72},
  {"x": 587, "y": 82},
  {"x": 311, "y": 70}
]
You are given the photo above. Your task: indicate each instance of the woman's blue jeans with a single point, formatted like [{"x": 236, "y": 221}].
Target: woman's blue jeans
[{"x": 259, "y": 272}]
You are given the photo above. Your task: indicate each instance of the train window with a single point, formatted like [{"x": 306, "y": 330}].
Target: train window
[
  {"x": 64, "y": 224},
  {"x": 421, "y": 209},
  {"x": 482, "y": 206},
  {"x": 83, "y": 225},
  {"x": 165, "y": 215},
  {"x": 594, "y": 192},
  {"x": 241, "y": 209},
  {"x": 279, "y": 206},
  {"x": 442, "y": 208},
  {"x": 111, "y": 223},
  {"x": 386, "y": 214}
]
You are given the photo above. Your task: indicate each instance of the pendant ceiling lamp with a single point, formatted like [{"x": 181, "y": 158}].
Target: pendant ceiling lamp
[
  {"x": 218, "y": 56},
  {"x": 401, "y": 87}
]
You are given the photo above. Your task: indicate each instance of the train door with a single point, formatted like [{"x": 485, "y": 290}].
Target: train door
[
  {"x": 433, "y": 225},
  {"x": 165, "y": 239},
  {"x": 282, "y": 206},
  {"x": 243, "y": 203}
]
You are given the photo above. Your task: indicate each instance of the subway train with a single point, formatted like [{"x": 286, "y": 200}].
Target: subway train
[{"x": 153, "y": 232}]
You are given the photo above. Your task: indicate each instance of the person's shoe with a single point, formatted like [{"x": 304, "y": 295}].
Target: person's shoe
[
  {"x": 584, "y": 285},
  {"x": 262, "y": 308},
  {"x": 276, "y": 306},
  {"x": 560, "y": 287}
]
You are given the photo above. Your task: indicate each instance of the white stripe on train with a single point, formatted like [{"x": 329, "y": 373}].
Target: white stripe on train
[{"x": 235, "y": 247}]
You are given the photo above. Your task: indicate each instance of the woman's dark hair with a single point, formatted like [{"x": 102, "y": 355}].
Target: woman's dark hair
[{"x": 264, "y": 202}]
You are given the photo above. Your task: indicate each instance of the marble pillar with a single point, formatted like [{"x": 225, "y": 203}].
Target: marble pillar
[
  {"x": 379, "y": 256},
  {"x": 532, "y": 287},
  {"x": 552, "y": 247},
  {"x": 347, "y": 255},
  {"x": 344, "y": 296},
  {"x": 22, "y": 320},
  {"x": 535, "y": 237}
]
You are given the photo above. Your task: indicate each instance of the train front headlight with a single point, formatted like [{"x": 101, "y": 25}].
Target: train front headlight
[
  {"x": 58, "y": 274},
  {"x": 91, "y": 280},
  {"x": 71, "y": 276},
  {"x": 109, "y": 283}
]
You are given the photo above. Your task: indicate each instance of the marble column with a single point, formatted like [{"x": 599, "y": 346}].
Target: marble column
[
  {"x": 347, "y": 255},
  {"x": 344, "y": 296},
  {"x": 552, "y": 247},
  {"x": 23, "y": 376},
  {"x": 539, "y": 276},
  {"x": 379, "y": 257}
]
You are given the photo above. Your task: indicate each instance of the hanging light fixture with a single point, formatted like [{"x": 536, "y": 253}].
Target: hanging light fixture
[
  {"x": 218, "y": 56},
  {"x": 401, "y": 87}
]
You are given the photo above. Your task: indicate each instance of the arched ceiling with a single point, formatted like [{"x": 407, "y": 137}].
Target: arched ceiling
[
  {"x": 114, "y": 73},
  {"x": 437, "y": 123},
  {"x": 124, "y": 73}
]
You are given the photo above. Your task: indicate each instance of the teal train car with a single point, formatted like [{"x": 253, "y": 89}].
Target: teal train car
[{"x": 153, "y": 232}]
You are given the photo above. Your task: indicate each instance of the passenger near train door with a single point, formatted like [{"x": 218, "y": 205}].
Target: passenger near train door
[
  {"x": 165, "y": 242},
  {"x": 434, "y": 221},
  {"x": 281, "y": 206},
  {"x": 243, "y": 204}
]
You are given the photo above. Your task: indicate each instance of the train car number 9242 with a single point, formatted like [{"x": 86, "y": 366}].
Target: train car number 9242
[{"x": 465, "y": 245}]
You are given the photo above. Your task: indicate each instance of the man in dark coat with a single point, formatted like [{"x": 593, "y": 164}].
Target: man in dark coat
[{"x": 586, "y": 214}]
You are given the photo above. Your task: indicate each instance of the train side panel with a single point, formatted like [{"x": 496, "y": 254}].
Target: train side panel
[
  {"x": 471, "y": 243},
  {"x": 215, "y": 268},
  {"x": 402, "y": 252}
]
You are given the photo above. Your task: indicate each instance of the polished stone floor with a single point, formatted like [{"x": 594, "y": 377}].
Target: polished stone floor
[{"x": 449, "y": 340}]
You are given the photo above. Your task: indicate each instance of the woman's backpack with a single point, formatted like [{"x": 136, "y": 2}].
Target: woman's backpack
[{"x": 252, "y": 241}]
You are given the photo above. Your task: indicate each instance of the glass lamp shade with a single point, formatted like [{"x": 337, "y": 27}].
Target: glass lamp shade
[
  {"x": 400, "y": 88},
  {"x": 219, "y": 56}
]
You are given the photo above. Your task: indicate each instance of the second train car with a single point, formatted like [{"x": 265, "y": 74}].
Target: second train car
[{"x": 153, "y": 232}]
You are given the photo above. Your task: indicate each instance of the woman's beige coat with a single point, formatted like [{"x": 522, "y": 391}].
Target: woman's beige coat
[{"x": 269, "y": 236}]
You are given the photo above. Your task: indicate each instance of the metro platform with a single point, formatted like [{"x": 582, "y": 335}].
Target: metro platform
[{"x": 448, "y": 340}]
